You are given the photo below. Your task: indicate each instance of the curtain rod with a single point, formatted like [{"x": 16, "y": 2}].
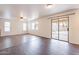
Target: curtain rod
[{"x": 61, "y": 16}]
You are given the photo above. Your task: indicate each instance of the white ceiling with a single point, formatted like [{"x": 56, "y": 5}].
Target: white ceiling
[{"x": 32, "y": 11}]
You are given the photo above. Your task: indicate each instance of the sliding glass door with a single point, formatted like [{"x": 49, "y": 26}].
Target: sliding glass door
[
  {"x": 55, "y": 29},
  {"x": 60, "y": 29},
  {"x": 63, "y": 29}
]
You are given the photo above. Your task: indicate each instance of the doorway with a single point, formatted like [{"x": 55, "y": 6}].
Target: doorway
[{"x": 60, "y": 29}]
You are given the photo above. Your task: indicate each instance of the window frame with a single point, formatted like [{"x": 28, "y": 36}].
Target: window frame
[
  {"x": 24, "y": 26},
  {"x": 7, "y": 25}
]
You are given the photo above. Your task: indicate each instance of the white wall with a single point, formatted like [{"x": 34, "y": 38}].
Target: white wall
[
  {"x": 74, "y": 28},
  {"x": 44, "y": 28},
  {"x": 16, "y": 27}
]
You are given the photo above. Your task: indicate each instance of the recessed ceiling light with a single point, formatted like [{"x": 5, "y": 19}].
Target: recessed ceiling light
[{"x": 49, "y": 5}]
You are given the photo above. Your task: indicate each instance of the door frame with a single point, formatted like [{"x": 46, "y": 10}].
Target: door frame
[{"x": 58, "y": 28}]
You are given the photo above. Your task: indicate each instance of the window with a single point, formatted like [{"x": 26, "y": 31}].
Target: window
[
  {"x": 7, "y": 26},
  {"x": 34, "y": 25},
  {"x": 24, "y": 26}
]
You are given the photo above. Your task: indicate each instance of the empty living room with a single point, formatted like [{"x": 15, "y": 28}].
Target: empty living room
[{"x": 39, "y": 29}]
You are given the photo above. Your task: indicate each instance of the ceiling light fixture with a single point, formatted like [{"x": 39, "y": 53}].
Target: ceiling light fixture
[
  {"x": 49, "y": 5},
  {"x": 21, "y": 19}
]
